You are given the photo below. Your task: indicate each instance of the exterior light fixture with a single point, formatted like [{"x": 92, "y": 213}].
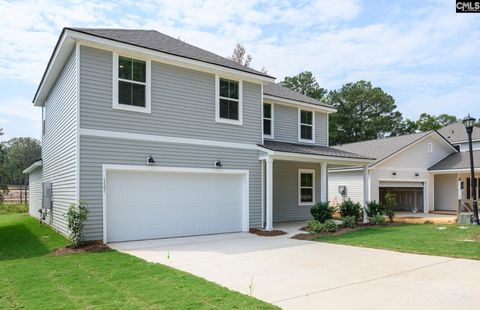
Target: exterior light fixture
[
  {"x": 150, "y": 160},
  {"x": 218, "y": 164},
  {"x": 469, "y": 122},
  {"x": 416, "y": 174},
  {"x": 394, "y": 173}
]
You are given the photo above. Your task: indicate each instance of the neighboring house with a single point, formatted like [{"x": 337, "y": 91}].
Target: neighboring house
[
  {"x": 425, "y": 171},
  {"x": 457, "y": 135},
  {"x": 164, "y": 139}
]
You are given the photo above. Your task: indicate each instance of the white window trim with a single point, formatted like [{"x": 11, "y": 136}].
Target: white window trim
[
  {"x": 272, "y": 135},
  {"x": 219, "y": 119},
  {"x": 311, "y": 171},
  {"x": 300, "y": 126},
  {"x": 430, "y": 147},
  {"x": 148, "y": 86}
]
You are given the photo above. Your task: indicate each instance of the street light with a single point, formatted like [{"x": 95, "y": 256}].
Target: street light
[{"x": 469, "y": 122}]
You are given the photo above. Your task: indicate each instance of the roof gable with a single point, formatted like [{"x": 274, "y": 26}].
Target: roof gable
[{"x": 279, "y": 91}]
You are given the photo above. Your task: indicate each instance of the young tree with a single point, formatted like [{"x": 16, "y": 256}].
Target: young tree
[
  {"x": 305, "y": 83},
  {"x": 240, "y": 55},
  {"x": 364, "y": 112}
]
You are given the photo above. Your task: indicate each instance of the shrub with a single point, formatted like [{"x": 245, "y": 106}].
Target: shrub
[
  {"x": 377, "y": 219},
  {"x": 329, "y": 226},
  {"x": 322, "y": 212},
  {"x": 350, "y": 208},
  {"x": 76, "y": 216},
  {"x": 3, "y": 192},
  {"x": 314, "y": 226},
  {"x": 349, "y": 221},
  {"x": 390, "y": 204},
  {"x": 374, "y": 208}
]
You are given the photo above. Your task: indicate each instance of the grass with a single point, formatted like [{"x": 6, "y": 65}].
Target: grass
[
  {"x": 6, "y": 208},
  {"x": 32, "y": 278},
  {"x": 439, "y": 240}
]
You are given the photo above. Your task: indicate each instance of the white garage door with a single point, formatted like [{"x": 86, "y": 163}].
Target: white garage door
[{"x": 153, "y": 204}]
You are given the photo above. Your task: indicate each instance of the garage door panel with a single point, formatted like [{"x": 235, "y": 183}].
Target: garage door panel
[{"x": 144, "y": 205}]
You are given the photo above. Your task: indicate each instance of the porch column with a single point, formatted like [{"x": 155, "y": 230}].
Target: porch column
[
  {"x": 269, "y": 194},
  {"x": 365, "y": 193},
  {"x": 323, "y": 182}
]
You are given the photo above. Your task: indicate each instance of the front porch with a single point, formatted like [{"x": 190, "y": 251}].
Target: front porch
[{"x": 295, "y": 178}]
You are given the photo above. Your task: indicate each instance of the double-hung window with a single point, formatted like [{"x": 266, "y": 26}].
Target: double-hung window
[
  {"x": 131, "y": 84},
  {"x": 268, "y": 120},
  {"x": 306, "y": 130},
  {"x": 229, "y": 101},
  {"x": 306, "y": 187}
]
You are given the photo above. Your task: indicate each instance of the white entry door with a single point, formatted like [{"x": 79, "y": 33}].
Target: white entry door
[{"x": 160, "y": 204}]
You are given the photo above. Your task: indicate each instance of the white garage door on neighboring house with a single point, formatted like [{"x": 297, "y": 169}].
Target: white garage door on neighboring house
[{"x": 169, "y": 203}]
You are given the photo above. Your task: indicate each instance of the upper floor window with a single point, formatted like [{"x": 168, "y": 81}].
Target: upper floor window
[
  {"x": 306, "y": 126},
  {"x": 228, "y": 101},
  {"x": 268, "y": 120},
  {"x": 131, "y": 84}
]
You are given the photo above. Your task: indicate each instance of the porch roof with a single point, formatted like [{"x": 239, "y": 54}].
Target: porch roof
[
  {"x": 308, "y": 149},
  {"x": 457, "y": 161}
]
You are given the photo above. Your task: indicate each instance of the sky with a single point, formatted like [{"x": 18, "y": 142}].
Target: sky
[{"x": 420, "y": 52}]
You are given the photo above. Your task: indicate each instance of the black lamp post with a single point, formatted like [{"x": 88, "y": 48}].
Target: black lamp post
[{"x": 469, "y": 122}]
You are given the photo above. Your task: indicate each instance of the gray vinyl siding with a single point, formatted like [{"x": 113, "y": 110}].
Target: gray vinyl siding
[
  {"x": 35, "y": 192},
  {"x": 95, "y": 151},
  {"x": 59, "y": 147},
  {"x": 183, "y": 103},
  {"x": 285, "y": 190},
  {"x": 286, "y": 125}
]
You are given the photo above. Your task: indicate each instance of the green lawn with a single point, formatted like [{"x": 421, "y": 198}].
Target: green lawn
[
  {"x": 441, "y": 240},
  {"x": 30, "y": 277}
]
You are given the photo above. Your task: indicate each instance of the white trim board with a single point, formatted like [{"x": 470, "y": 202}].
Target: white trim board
[
  {"x": 165, "y": 139},
  {"x": 296, "y": 104},
  {"x": 245, "y": 173}
]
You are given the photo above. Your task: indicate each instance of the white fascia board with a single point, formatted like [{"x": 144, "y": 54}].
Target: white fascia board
[
  {"x": 311, "y": 158},
  {"x": 294, "y": 103},
  {"x": 448, "y": 171},
  {"x": 33, "y": 167}
]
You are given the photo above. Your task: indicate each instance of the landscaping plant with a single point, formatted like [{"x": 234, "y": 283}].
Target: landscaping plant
[
  {"x": 3, "y": 192},
  {"x": 76, "y": 216},
  {"x": 377, "y": 219},
  {"x": 390, "y": 205},
  {"x": 349, "y": 221},
  {"x": 322, "y": 211},
  {"x": 350, "y": 208},
  {"x": 329, "y": 226},
  {"x": 374, "y": 208},
  {"x": 314, "y": 226}
]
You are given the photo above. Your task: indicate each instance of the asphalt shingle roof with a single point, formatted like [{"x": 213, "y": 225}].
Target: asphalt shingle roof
[
  {"x": 280, "y": 91},
  {"x": 157, "y": 41},
  {"x": 456, "y": 132},
  {"x": 309, "y": 149},
  {"x": 382, "y": 148},
  {"x": 459, "y": 160}
]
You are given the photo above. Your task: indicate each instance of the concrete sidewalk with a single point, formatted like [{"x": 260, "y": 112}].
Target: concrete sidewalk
[{"x": 296, "y": 274}]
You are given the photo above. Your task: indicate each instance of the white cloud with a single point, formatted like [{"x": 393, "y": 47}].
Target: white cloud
[{"x": 20, "y": 107}]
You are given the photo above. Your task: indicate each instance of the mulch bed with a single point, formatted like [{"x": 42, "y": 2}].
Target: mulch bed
[
  {"x": 265, "y": 233},
  {"x": 93, "y": 246},
  {"x": 340, "y": 231}
]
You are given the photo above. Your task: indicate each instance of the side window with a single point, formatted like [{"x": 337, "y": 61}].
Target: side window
[
  {"x": 228, "y": 101},
  {"x": 268, "y": 120},
  {"x": 306, "y": 127},
  {"x": 131, "y": 84}
]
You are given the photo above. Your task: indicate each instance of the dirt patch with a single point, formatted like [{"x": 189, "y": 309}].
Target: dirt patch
[
  {"x": 87, "y": 247},
  {"x": 425, "y": 220},
  {"x": 340, "y": 231},
  {"x": 476, "y": 237},
  {"x": 266, "y": 233}
]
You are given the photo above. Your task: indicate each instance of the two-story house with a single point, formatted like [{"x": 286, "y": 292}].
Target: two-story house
[{"x": 162, "y": 139}]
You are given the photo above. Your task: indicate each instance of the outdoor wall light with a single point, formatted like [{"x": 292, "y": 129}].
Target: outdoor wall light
[
  {"x": 416, "y": 174},
  {"x": 394, "y": 173},
  {"x": 218, "y": 164},
  {"x": 150, "y": 160}
]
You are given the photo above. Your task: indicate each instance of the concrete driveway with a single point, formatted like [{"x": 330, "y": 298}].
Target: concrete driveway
[{"x": 295, "y": 274}]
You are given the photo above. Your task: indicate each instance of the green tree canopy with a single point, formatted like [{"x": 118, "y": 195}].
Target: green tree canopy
[
  {"x": 305, "y": 83},
  {"x": 431, "y": 122},
  {"x": 16, "y": 155},
  {"x": 364, "y": 112}
]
